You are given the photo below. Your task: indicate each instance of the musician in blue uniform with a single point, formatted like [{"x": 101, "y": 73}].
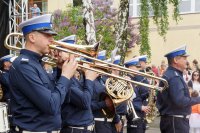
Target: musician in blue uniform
[
  {"x": 35, "y": 97},
  {"x": 4, "y": 81},
  {"x": 121, "y": 109},
  {"x": 102, "y": 123},
  {"x": 4, "y": 77},
  {"x": 174, "y": 103},
  {"x": 77, "y": 114},
  {"x": 139, "y": 102},
  {"x": 143, "y": 63}
]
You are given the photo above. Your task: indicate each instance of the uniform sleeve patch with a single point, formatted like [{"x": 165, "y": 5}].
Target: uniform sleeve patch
[
  {"x": 176, "y": 73},
  {"x": 24, "y": 60}
]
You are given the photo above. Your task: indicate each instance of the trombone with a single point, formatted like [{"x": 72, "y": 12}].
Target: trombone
[{"x": 89, "y": 52}]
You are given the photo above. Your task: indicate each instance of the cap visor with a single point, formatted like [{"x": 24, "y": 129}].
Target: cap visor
[{"x": 50, "y": 32}]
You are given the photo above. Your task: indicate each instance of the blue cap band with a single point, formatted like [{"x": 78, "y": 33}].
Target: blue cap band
[
  {"x": 143, "y": 59},
  {"x": 32, "y": 27},
  {"x": 101, "y": 57},
  {"x": 6, "y": 59},
  {"x": 70, "y": 41},
  {"x": 131, "y": 64},
  {"x": 116, "y": 62},
  {"x": 174, "y": 54}
]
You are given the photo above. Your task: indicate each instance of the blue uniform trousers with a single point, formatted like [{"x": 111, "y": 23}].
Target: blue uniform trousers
[
  {"x": 74, "y": 130},
  {"x": 102, "y": 127},
  {"x": 170, "y": 124},
  {"x": 114, "y": 128},
  {"x": 138, "y": 126}
]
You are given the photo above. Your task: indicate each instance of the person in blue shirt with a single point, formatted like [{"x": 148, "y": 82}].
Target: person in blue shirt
[
  {"x": 139, "y": 102},
  {"x": 99, "y": 104},
  {"x": 36, "y": 98},
  {"x": 143, "y": 63},
  {"x": 174, "y": 103},
  {"x": 35, "y": 10},
  {"x": 121, "y": 109},
  {"x": 4, "y": 76},
  {"x": 6, "y": 62},
  {"x": 77, "y": 114}
]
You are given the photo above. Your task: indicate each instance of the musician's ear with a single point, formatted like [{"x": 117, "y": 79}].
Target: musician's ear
[
  {"x": 176, "y": 59},
  {"x": 31, "y": 37}
]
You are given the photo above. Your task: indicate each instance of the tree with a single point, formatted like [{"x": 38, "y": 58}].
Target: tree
[
  {"x": 122, "y": 28},
  {"x": 88, "y": 19},
  {"x": 71, "y": 22},
  {"x": 160, "y": 17},
  {"x": 77, "y": 2}
]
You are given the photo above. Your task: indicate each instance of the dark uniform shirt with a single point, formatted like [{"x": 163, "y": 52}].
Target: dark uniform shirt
[
  {"x": 176, "y": 99},
  {"x": 142, "y": 94},
  {"x": 97, "y": 105},
  {"x": 35, "y": 97},
  {"x": 76, "y": 110},
  {"x": 4, "y": 81},
  {"x": 121, "y": 109}
]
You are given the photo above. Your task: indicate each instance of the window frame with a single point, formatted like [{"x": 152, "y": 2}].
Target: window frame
[
  {"x": 135, "y": 6},
  {"x": 193, "y": 6}
]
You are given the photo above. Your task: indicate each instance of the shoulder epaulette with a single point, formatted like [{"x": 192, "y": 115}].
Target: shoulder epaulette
[
  {"x": 176, "y": 73},
  {"x": 24, "y": 60}
]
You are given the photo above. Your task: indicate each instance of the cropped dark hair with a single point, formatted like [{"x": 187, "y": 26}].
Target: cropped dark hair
[
  {"x": 194, "y": 93},
  {"x": 195, "y": 61}
]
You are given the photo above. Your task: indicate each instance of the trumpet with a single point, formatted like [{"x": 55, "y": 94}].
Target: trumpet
[
  {"x": 131, "y": 111},
  {"x": 89, "y": 52}
]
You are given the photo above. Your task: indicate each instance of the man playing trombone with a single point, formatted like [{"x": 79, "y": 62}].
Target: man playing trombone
[
  {"x": 134, "y": 124},
  {"x": 35, "y": 98},
  {"x": 76, "y": 110}
]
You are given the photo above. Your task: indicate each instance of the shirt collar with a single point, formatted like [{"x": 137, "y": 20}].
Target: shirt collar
[
  {"x": 178, "y": 71},
  {"x": 31, "y": 54}
]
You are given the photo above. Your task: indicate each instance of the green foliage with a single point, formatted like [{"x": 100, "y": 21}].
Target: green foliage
[
  {"x": 160, "y": 10},
  {"x": 144, "y": 28},
  {"x": 71, "y": 22},
  {"x": 77, "y": 2}
]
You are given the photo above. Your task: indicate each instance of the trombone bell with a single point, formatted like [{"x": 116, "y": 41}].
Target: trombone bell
[{"x": 91, "y": 50}]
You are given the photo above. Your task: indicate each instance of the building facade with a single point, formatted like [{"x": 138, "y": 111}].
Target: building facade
[{"x": 187, "y": 31}]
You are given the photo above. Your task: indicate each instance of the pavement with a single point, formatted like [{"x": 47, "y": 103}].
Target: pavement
[{"x": 154, "y": 126}]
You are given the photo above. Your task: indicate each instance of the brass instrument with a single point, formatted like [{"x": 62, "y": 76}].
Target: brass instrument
[
  {"x": 152, "y": 102},
  {"x": 131, "y": 111},
  {"x": 76, "y": 50},
  {"x": 117, "y": 91},
  {"x": 119, "y": 88}
]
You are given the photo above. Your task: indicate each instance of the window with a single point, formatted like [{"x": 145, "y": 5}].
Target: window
[
  {"x": 42, "y": 4},
  {"x": 134, "y": 8},
  {"x": 189, "y": 6}
]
